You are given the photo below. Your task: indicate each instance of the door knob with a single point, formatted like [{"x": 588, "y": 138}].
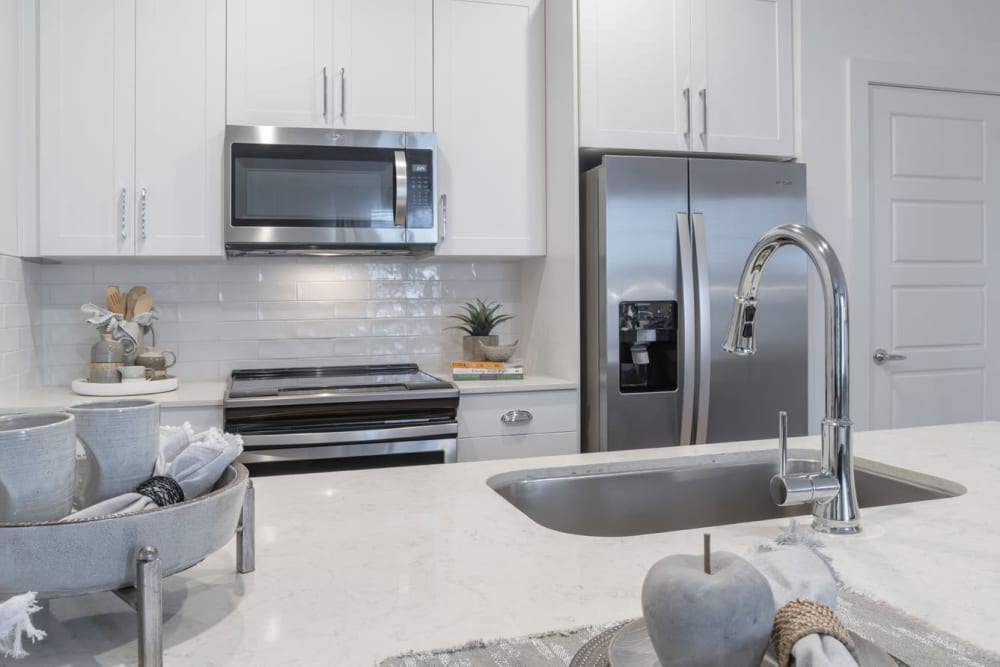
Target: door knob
[{"x": 880, "y": 356}]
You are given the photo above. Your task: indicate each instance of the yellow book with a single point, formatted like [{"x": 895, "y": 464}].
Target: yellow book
[{"x": 497, "y": 365}]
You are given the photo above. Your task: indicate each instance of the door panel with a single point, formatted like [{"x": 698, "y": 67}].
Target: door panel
[
  {"x": 180, "y": 126},
  {"x": 635, "y": 62},
  {"x": 276, "y": 53},
  {"x": 489, "y": 114},
  {"x": 740, "y": 200},
  {"x": 742, "y": 59},
  {"x": 934, "y": 197},
  {"x": 638, "y": 236},
  {"x": 86, "y": 116},
  {"x": 385, "y": 50}
]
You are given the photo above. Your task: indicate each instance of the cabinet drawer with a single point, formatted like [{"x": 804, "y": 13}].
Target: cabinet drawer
[
  {"x": 516, "y": 446},
  {"x": 551, "y": 411}
]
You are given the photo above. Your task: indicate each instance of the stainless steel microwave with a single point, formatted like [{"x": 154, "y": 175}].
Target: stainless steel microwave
[{"x": 316, "y": 191}]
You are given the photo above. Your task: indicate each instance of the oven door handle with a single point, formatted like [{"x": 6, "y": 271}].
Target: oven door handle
[
  {"x": 401, "y": 186},
  {"x": 349, "y": 436}
]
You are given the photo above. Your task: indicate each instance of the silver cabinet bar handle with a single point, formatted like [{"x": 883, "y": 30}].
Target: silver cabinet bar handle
[
  {"x": 343, "y": 95},
  {"x": 516, "y": 417},
  {"x": 326, "y": 94},
  {"x": 687, "y": 106},
  {"x": 444, "y": 216},
  {"x": 687, "y": 310},
  {"x": 880, "y": 356},
  {"x": 703, "y": 94},
  {"x": 123, "y": 200},
  {"x": 142, "y": 212}
]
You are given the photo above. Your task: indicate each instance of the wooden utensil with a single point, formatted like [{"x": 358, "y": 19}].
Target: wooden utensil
[
  {"x": 130, "y": 300},
  {"x": 113, "y": 295},
  {"x": 143, "y": 305}
]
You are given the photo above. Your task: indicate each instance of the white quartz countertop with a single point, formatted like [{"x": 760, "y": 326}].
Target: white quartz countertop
[
  {"x": 187, "y": 395},
  {"x": 210, "y": 393},
  {"x": 356, "y": 566}
]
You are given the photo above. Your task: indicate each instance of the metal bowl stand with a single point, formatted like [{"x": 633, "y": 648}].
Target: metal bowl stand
[{"x": 146, "y": 597}]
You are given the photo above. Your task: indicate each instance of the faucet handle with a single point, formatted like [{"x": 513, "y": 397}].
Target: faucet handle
[{"x": 782, "y": 443}]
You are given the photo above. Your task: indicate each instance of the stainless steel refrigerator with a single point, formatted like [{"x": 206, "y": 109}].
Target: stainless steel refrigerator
[{"x": 663, "y": 244}]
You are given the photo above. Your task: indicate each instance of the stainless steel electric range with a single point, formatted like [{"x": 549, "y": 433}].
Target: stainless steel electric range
[{"x": 336, "y": 412}]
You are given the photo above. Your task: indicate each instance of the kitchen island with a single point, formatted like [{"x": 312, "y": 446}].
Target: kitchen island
[{"x": 355, "y": 566}]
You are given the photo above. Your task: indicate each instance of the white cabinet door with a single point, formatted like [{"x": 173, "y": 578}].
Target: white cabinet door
[
  {"x": 279, "y": 69},
  {"x": 383, "y": 71},
  {"x": 742, "y": 76},
  {"x": 635, "y": 64},
  {"x": 489, "y": 114},
  {"x": 180, "y": 126},
  {"x": 86, "y": 127}
]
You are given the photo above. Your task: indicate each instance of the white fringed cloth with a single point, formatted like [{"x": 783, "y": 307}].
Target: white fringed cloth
[{"x": 15, "y": 624}]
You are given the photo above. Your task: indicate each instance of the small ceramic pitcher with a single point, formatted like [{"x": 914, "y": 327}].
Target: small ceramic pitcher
[{"x": 156, "y": 362}]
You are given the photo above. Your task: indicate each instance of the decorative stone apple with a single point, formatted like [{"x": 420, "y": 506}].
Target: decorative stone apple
[{"x": 713, "y": 610}]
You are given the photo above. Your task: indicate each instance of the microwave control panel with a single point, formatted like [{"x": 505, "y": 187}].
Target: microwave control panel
[{"x": 420, "y": 189}]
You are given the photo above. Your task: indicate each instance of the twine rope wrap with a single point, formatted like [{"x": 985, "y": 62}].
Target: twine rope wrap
[
  {"x": 161, "y": 490},
  {"x": 800, "y": 618}
]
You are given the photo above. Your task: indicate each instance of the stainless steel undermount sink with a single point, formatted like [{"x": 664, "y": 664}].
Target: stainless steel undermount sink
[{"x": 636, "y": 499}]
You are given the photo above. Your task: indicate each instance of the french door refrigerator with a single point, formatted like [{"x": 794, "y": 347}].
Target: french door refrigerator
[{"x": 663, "y": 244}]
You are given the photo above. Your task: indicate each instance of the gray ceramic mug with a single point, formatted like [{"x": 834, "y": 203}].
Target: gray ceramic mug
[
  {"x": 121, "y": 441},
  {"x": 37, "y": 460}
]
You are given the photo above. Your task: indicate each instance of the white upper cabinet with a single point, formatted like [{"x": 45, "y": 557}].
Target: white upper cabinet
[
  {"x": 358, "y": 64},
  {"x": 122, "y": 111},
  {"x": 489, "y": 114},
  {"x": 383, "y": 71},
  {"x": 742, "y": 76},
  {"x": 86, "y": 127},
  {"x": 687, "y": 75},
  {"x": 279, "y": 62},
  {"x": 180, "y": 126},
  {"x": 635, "y": 71}
]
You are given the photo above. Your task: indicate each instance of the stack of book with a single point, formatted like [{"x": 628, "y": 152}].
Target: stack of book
[{"x": 487, "y": 370}]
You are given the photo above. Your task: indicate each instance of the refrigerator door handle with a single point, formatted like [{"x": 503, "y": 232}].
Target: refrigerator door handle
[
  {"x": 704, "y": 326},
  {"x": 687, "y": 323}
]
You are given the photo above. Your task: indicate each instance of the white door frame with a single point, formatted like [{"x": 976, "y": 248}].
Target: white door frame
[{"x": 862, "y": 75}]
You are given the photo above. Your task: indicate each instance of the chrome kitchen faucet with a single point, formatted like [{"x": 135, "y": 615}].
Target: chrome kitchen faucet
[{"x": 831, "y": 490}]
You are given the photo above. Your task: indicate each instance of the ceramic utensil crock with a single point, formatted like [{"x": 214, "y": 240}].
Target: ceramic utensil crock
[
  {"x": 37, "y": 462},
  {"x": 120, "y": 438}
]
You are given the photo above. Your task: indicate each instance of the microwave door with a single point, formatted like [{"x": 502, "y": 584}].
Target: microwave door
[{"x": 317, "y": 195}]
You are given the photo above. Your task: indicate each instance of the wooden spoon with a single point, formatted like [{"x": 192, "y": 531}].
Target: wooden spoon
[
  {"x": 143, "y": 305},
  {"x": 130, "y": 300},
  {"x": 114, "y": 299}
]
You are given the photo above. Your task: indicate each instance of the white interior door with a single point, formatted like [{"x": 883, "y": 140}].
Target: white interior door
[
  {"x": 180, "y": 126},
  {"x": 935, "y": 256}
]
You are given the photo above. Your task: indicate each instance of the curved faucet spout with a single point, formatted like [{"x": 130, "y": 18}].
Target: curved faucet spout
[{"x": 839, "y": 515}]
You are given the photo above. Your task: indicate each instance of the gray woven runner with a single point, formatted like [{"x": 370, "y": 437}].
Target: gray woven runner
[{"x": 907, "y": 638}]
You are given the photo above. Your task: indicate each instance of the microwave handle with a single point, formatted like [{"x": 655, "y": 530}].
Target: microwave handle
[{"x": 400, "y": 214}]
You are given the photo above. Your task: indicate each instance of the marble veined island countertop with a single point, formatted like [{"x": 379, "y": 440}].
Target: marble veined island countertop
[{"x": 353, "y": 567}]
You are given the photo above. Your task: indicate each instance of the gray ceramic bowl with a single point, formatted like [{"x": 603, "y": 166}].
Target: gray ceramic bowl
[
  {"x": 37, "y": 463},
  {"x": 499, "y": 352},
  {"x": 76, "y": 557}
]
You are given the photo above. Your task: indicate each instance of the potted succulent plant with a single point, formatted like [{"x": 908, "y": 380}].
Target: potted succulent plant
[{"x": 478, "y": 321}]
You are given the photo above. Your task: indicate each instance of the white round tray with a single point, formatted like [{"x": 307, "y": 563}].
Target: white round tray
[{"x": 85, "y": 387}]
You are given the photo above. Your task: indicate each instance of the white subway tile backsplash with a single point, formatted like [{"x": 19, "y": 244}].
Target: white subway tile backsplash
[
  {"x": 19, "y": 311},
  {"x": 260, "y": 313},
  {"x": 338, "y": 291}
]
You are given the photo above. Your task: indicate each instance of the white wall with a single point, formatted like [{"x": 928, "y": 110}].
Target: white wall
[
  {"x": 957, "y": 35},
  {"x": 19, "y": 320},
  {"x": 8, "y": 126},
  {"x": 220, "y": 315}
]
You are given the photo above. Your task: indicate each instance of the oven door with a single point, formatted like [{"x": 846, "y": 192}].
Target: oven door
[{"x": 301, "y": 189}]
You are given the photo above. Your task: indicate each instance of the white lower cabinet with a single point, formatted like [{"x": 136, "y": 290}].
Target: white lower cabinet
[{"x": 515, "y": 424}]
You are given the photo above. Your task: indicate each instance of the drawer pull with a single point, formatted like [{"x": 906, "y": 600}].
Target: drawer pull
[{"x": 516, "y": 417}]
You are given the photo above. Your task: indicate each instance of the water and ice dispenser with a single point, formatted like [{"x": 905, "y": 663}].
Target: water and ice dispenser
[{"x": 647, "y": 346}]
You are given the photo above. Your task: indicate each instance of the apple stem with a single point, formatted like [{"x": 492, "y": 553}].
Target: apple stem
[{"x": 708, "y": 553}]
